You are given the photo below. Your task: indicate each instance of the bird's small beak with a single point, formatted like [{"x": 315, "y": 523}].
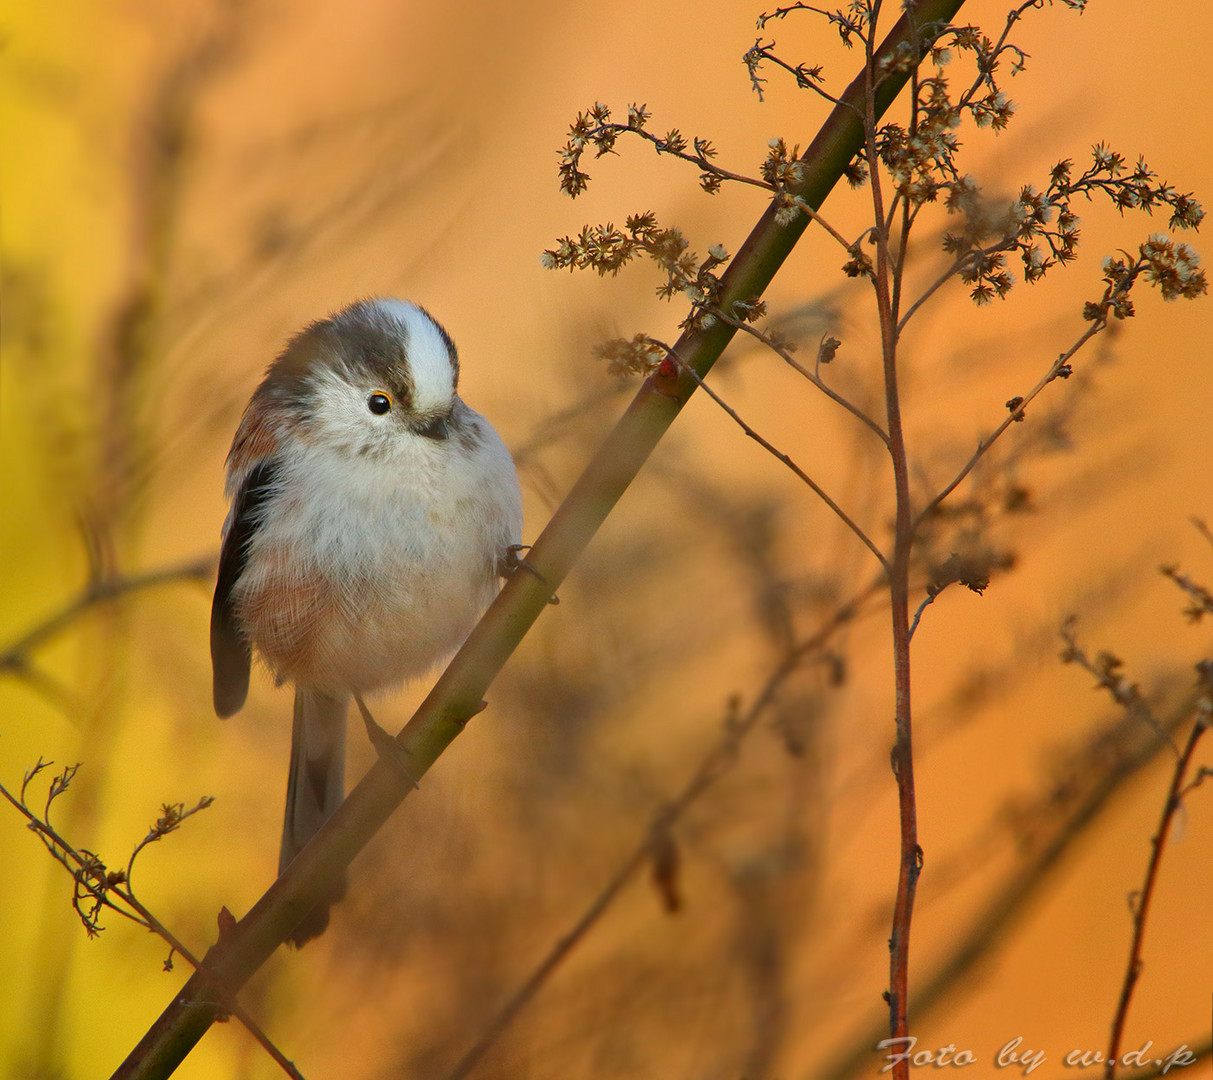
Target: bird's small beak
[{"x": 438, "y": 428}]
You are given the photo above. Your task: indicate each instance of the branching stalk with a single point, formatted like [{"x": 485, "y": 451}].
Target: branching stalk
[{"x": 910, "y": 857}]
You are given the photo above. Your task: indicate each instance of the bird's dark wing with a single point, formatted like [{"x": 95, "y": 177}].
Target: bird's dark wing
[{"x": 231, "y": 651}]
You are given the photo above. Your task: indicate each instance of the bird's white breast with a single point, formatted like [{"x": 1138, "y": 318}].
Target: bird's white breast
[{"x": 369, "y": 570}]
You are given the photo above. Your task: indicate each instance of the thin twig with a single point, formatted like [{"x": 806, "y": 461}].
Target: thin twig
[
  {"x": 1141, "y": 907},
  {"x": 1201, "y": 597},
  {"x": 1056, "y": 370},
  {"x": 169, "y": 821},
  {"x": 16, "y": 661},
  {"x": 985, "y": 70},
  {"x": 958, "y": 264},
  {"x": 699, "y": 159},
  {"x": 815, "y": 379},
  {"x": 803, "y": 81},
  {"x": 88, "y": 868},
  {"x": 816, "y": 217},
  {"x": 229, "y": 1000},
  {"x": 927, "y": 602},
  {"x": 851, "y": 23},
  {"x": 779, "y": 455}
]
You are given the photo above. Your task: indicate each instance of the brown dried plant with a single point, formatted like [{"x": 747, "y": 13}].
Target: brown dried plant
[{"x": 911, "y": 165}]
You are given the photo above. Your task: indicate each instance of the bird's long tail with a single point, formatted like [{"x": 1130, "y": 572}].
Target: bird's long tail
[{"x": 315, "y": 788}]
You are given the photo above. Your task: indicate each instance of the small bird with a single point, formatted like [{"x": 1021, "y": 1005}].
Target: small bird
[{"x": 372, "y": 516}]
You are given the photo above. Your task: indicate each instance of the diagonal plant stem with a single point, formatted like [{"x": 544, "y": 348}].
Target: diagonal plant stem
[{"x": 458, "y": 694}]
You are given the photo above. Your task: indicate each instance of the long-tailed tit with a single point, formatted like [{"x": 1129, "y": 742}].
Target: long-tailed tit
[{"x": 372, "y": 515}]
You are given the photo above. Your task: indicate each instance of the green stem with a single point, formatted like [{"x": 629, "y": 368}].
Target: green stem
[{"x": 459, "y": 691}]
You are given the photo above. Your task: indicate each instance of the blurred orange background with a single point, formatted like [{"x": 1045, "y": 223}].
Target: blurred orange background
[{"x": 186, "y": 186}]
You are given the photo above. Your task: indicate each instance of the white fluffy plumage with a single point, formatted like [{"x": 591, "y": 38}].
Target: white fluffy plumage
[{"x": 372, "y": 515}]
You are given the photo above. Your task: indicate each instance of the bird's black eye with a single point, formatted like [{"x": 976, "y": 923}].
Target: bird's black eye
[{"x": 379, "y": 403}]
